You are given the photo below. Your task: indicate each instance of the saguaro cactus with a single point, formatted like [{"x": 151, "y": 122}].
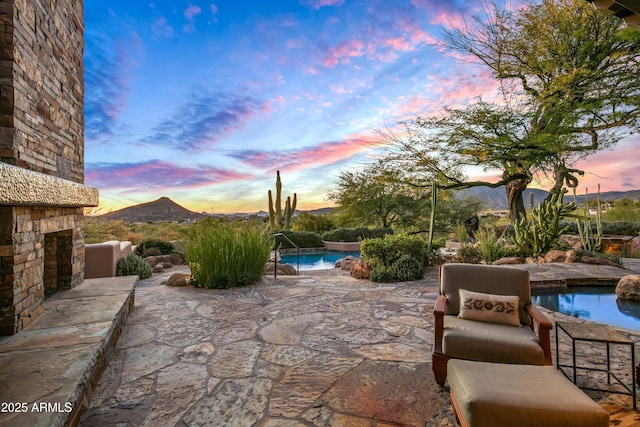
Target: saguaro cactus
[{"x": 275, "y": 210}]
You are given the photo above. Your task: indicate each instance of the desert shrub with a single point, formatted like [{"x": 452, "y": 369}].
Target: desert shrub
[
  {"x": 303, "y": 239},
  {"x": 461, "y": 232},
  {"x": 470, "y": 254},
  {"x": 314, "y": 223},
  {"x": 381, "y": 274},
  {"x": 395, "y": 257},
  {"x": 132, "y": 265},
  {"x": 617, "y": 228},
  {"x": 407, "y": 268},
  {"x": 152, "y": 247},
  {"x": 98, "y": 230},
  {"x": 224, "y": 256},
  {"x": 354, "y": 234},
  {"x": 621, "y": 228},
  {"x": 491, "y": 246}
]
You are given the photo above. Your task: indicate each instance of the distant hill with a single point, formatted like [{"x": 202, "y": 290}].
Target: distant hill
[
  {"x": 163, "y": 209},
  {"x": 496, "y": 198}
]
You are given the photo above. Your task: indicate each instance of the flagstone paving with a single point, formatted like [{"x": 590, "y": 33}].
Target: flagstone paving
[{"x": 316, "y": 350}]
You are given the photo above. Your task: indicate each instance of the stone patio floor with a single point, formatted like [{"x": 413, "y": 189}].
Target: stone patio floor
[
  {"x": 321, "y": 349},
  {"x": 316, "y": 350}
]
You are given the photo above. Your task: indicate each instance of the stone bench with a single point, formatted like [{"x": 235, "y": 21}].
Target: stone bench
[{"x": 487, "y": 394}]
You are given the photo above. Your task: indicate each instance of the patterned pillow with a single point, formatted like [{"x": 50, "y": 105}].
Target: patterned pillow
[{"x": 490, "y": 308}]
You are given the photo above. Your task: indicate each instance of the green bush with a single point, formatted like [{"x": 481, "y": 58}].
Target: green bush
[
  {"x": 314, "y": 223},
  {"x": 382, "y": 274},
  {"x": 224, "y": 256},
  {"x": 616, "y": 228},
  {"x": 303, "y": 239},
  {"x": 354, "y": 234},
  {"x": 470, "y": 254},
  {"x": 152, "y": 247},
  {"x": 132, "y": 265},
  {"x": 407, "y": 268},
  {"x": 395, "y": 257}
]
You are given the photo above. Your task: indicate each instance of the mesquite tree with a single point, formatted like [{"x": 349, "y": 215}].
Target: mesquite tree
[{"x": 569, "y": 78}]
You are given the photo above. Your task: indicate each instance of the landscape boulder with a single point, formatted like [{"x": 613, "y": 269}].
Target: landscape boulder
[
  {"x": 158, "y": 268},
  {"x": 509, "y": 260},
  {"x": 599, "y": 261},
  {"x": 629, "y": 287},
  {"x": 178, "y": 279},
  {"x": 284, "y": 269},
  {"x": 346, "y": 263},
  {"x": 360, "y": 271},
  {"x": 555, "y": 255},
  {"x": 173, "y": 259},
  {"x": 571, "y": 256}
]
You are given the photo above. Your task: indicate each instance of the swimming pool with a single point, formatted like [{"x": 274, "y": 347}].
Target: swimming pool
[
  {"x": 317, "y": 260},
  {"x": 595, "y": 303}
]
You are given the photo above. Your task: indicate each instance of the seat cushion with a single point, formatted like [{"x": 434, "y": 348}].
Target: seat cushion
[
  {"x": 494, "y": 394},
  {"x": 490, "y": 342}
]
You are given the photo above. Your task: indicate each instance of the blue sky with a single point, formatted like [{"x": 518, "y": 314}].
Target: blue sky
[{"x": 203, "y": 101}]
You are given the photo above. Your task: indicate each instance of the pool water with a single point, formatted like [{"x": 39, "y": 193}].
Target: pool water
[
  {"x": 595, "y": 303},
  {"x": 316, "y": 261}
]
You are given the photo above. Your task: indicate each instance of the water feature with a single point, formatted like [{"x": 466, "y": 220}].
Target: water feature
[
  {"x": 316, "y": 260},
  {"x": 595, "y": 303}
]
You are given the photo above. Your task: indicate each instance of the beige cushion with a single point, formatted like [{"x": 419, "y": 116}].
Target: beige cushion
[
  {"x": 502, "y": 309},
  {"x": 489, "y": 279},
  {"x": 490, "y": 342},
  {"x": 493, "y": 394}
]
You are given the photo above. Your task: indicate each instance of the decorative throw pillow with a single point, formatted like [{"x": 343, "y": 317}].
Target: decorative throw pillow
[{"x": 489, "y": 308}]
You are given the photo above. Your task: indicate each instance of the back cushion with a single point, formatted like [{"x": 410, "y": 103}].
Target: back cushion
[{"x": 487, "y": 279}]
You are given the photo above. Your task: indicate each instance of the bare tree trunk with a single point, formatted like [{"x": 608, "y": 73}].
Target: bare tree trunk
[
  {"x": 515, "y": 188},
  {"x": 563, "y": 175}
]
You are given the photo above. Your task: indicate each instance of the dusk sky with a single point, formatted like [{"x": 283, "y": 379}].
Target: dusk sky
[{"x": 203, "y": 101}]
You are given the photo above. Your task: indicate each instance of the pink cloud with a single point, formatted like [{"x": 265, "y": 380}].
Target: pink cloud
[
  {"x": 412, "y": 106},
  {"x": 307, "y": 157},
  {"x": 214, "y": 8},
  {"x": 453, "y": 91},
  {"x": 313, "y": 71},
  {"x": 156, "y": 174},
  {"x": 441, "y": 12},
  {"x": 343, "y": 51},
  {"x": 192, "y": 11},
  {"x": 160, "y": 28},
  {"x": 614, "y": 170},
  {"x": 317, "y": 4}
]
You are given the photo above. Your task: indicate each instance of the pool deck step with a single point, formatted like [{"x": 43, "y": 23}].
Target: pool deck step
[{"x": 49, "y": 370}]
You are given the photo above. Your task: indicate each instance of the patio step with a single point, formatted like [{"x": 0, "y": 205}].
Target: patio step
[{"x": 49, "y": 370}]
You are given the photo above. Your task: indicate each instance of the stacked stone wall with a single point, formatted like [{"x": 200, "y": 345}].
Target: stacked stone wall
[
  {"x": 42, "y": 86},
  {"x": 23, "y": 261}
]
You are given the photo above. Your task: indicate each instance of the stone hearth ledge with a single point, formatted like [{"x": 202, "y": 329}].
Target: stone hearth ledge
[{"x": 19, "y": 186}]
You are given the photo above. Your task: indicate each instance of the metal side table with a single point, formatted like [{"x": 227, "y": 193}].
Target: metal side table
[{"x": 597, "y": 333}]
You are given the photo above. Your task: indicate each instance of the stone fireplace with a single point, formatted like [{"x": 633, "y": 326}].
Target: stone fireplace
[{"x": 42, "y": 191}]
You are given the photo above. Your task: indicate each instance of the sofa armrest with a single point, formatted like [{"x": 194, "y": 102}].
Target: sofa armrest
[
  {"x": 544, "y": 329},
  {"x": 438, "y": 312}
]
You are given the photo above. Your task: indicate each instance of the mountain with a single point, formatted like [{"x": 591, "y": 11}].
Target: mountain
[
  {"x": 496, "y": 198},
  {"x": 163, "y": 209}
]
